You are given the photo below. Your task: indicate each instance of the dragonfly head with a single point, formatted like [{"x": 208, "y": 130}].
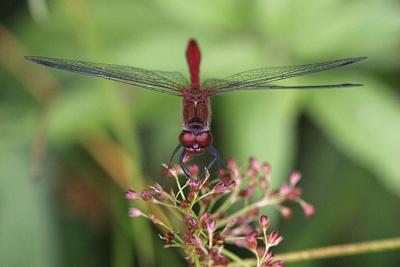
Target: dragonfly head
[{"x": 195, "y": 142}]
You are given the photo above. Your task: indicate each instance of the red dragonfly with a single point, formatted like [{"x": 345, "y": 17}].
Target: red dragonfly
[{"x": 196, "y": 136}]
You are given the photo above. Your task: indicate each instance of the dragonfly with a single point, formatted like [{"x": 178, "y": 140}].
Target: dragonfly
[{"x": 196, "y": 137}]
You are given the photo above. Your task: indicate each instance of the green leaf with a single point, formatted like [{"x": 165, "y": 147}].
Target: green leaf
[
  {"x": 365, "y": 124},
  {"x": 260, "y": 124},
  {"x": 28, "y": 234}
]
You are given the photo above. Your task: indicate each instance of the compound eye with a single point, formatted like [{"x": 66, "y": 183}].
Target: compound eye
[
  {"x": 204, "y": 139},
  {"x": 186, "y": 138}
]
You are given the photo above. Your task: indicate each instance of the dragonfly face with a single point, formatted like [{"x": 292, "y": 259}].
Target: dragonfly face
[
  {"x": 196, "y": 137},
  {"x": 195, "y": 142}
]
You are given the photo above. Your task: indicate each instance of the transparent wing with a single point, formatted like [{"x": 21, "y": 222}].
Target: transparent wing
[
  {"x": 162, "y": 81},
  {"x": 261, "y": 78}
]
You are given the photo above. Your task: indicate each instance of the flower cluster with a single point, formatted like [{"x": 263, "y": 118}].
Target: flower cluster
[{"x": 202, "y": 217}]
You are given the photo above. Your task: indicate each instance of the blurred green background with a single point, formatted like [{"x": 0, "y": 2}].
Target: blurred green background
[{"x": 70, "y": 145}]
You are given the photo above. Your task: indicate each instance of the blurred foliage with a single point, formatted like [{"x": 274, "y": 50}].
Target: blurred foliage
[{"x": 104, "y": 137}]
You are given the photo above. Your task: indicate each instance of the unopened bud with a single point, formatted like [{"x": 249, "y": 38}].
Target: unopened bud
[
  {"x": 264, "y": 221},
  {"x": 131, "y": 194},
  {"x": 294, "y": 178},
  {"x": 274, "y": 238},
  {"x": 134, "y": 212},
  {"x": 219, "y": 188},
  {"x": 286, "y": 212},
  {"x": 308, "y": 209},
  {"x": 266, "y": 168},
  {"x": 211, "y": 225},
  {"x": 146, "y": 196},
  {"x": 251, "y": 239}
]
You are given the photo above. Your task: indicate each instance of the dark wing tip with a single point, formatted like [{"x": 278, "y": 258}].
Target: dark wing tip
[
  {"x": 352, "y": 84},
  {"x": 30, "y": 58},
  {"x": 36, "y": 59},
  {"x": 353, "y": 60}
]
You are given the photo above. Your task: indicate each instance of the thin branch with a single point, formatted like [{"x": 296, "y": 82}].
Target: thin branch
[{"x": 337, "y": 251}]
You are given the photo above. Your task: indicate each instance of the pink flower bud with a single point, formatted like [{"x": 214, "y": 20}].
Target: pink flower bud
[
  {"x": 285, "y": 190},
  {"x": 184, "y": 204},
  {"x": 286, "y": 212},
  {"x": 131, "y": 194},
  {"x": 219, "y": 188},
  {"x": 254, "y": 164},
  {"x": 294, "y": 193},
  {"x": 251, "y": 239},
  {"x": 146, "y": 196},
  {"x": 264, "y": 221},
  {"x": 231, "y": 164},
  {"x": 191, "y": 196},
  {"x": 274, "y": 238},
  {"x": 247, "y": 192},
  {"x": 278, "y": 264},
  {"x": 191, "y": 222},
  {"x": 194, "y": 186},
  {"x": 218, "y": 239},
  {"x": 211, "y": 225},
  {"x": 154, "y": 219},
  {"x": 233, "y": 167},
  {"x": 266, "y": 168},
  {"x": 204, "y": 218},
  {"x": 168, "y": 237},
  {"x": 134, "y": 212},
  {"x": 206, "y": 200},
  {"x": 294, "y": 178},
  {"x": 308, "y": 209},
  {"x": 196, "y": 241}
]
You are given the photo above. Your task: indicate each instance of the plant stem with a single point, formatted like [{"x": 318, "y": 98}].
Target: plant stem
[
  {"x": 242, "y": 211},
  {"x": 336, "y": 251},
  {"x": 180, "y": 187},
  {"x": 237, "y": 260}
]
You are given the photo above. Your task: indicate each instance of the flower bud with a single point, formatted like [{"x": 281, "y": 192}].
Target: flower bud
[
  {"x": 294, "y": 178},
  {"x": 191, "y": 222},
  {"x": 219, "y": 188},
  {"x": 194, "y": 185},
  {"x": 191, "y": 196},
  {"x": 134, "y": 212},
  {"x": 251, "y": 239},
  {"x": 274, "y": 238},
  {"x": 254, "y": 166},
  {"x": 266, "y": 168},
  {"x": 131, "y": 194},
  {"x": 247, "y": 192},
  {"x": 264, "y": 221},
  {"x": 308, "y": 209},
  {"x": 146, "y": 196},
  {"x": 211, "y": 225},
  {"x": 184, "y": 204},
  {"x": 286, "y": 212},
  {"x": 206, "y": 200}
]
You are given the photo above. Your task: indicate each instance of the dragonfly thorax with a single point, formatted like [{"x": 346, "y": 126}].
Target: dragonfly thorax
[{"x": 196, "y": 113}]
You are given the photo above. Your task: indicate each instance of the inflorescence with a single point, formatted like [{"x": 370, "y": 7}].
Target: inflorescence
[{"x": 210, "y": 216}]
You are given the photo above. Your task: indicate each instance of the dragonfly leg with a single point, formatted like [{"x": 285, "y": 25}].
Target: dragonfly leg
[
  {"x": 183, "y": 166},
  {"x": 173, "y": 154},
  {"x": 217, "y": 158}
]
